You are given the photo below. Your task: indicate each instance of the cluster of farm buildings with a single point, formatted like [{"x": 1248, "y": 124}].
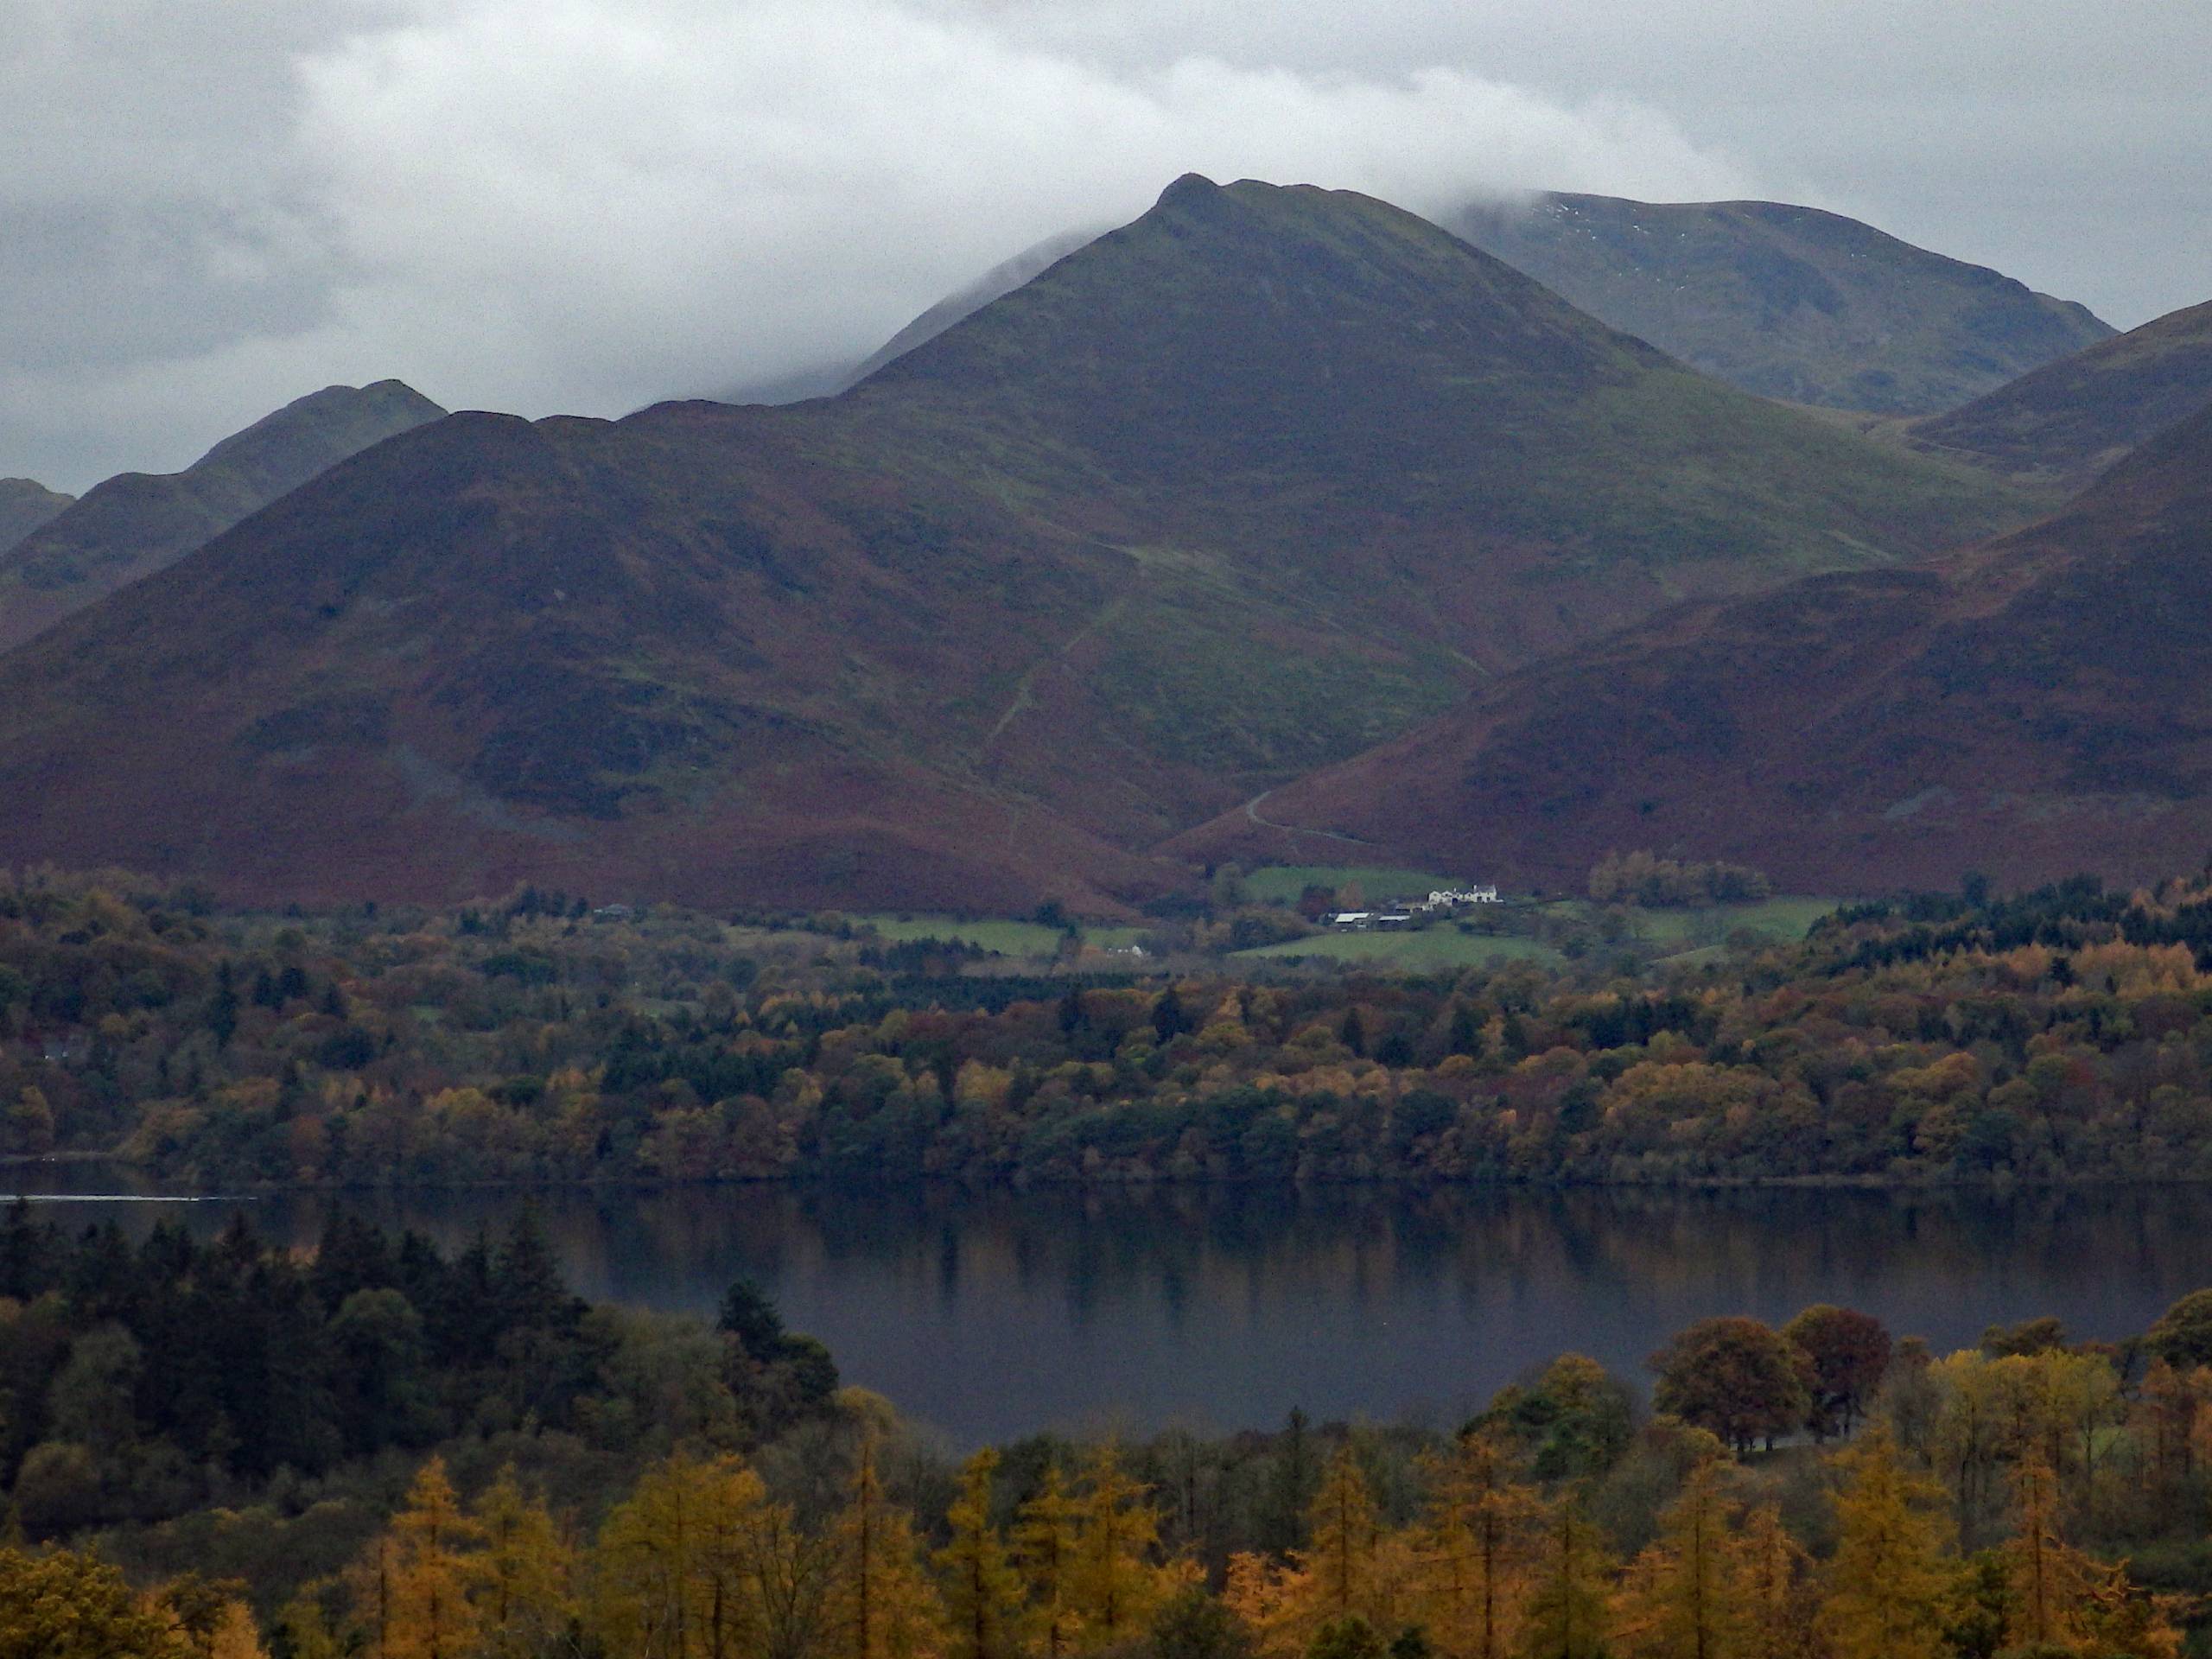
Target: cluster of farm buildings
[{"x": 1447, "y": 901}]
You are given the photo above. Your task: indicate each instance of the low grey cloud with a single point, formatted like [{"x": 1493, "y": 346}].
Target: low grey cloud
[{"x": 582, "y": 204}]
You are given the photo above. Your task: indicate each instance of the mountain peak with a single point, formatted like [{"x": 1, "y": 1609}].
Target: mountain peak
[
  {"x": 1191, "y": 188},
  {"x": 284, "y": 449},
  {"x": 26, "y": 504}
]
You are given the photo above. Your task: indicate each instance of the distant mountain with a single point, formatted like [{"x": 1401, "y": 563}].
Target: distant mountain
[
  {"x": 2039, "y": 706},
  {"x": 1789, "y": 302},
  {"x": 2069, "y": 421},
  {"x": 827, "y": 380},
  {"x": 136, "y": 522},
  {"x": 994, "y": 284},
  {"x": 1239, "y": 489},
  {"x": 24, "y": 505},
  {"x": 816, "y": 380}
]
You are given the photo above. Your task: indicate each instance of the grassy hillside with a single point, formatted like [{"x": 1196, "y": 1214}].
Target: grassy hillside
[
  {"x": 1787, "y": 302},
  {"x": 2031, "y": 709},
  {"x": 2070, "y": 421}
]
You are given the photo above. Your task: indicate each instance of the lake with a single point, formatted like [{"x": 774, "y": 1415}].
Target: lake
[{"x": 994, "y": 1315}]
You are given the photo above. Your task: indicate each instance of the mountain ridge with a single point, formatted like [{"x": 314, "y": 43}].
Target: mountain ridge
[
  {"x": 25, "y": 504},
  {"x": 1235, "y": 490},
  {"x": 1791, "y": 302},
  {"x": 136, "y": 522},
  {"x": 2026, "y": 709},
  {"x": 2070, "y": 420}
]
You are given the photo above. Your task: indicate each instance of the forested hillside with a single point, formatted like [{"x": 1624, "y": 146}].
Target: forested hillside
[{"x": 2059, "y": 1035}]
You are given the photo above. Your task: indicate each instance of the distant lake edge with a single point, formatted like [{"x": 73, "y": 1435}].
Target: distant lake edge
[{"x": 996, "y": 1313}]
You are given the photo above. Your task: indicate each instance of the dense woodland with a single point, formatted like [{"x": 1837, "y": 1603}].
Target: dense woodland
[
  {"x": 222, "y": 1449},
  {"x": 2065, "y": 1035}
]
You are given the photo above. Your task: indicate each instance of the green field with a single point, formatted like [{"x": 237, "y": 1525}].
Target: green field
[
  {"x": 1008, "y": 938},
  {"x": 1670, "y": 932},
  {"x": 1280, "y": 884},
  {"x": 1428, "y": 947}
]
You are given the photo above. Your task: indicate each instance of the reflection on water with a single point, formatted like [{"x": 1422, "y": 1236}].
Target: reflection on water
[{"x": 991, "y": 1315}]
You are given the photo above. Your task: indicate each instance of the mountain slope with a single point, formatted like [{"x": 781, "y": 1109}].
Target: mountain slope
[
  {"x": 1240, "y": 489},
  {"x": 136, "y": 522},
  {"x": 2071, "y": 420},
  {"x": 996, "y": 284},
  {"x": 1786, "y": 302},
  {"x": 828, "y": 380},
  {"x": 24, "y": 505},
  {"x": 2034, "y": 707}
]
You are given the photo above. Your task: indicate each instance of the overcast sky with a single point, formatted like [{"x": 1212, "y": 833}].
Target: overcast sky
[{"x": 209, "y": 207}]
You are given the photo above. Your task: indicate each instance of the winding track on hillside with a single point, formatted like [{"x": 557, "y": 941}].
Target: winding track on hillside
[{"x": 1252, "y": 811}]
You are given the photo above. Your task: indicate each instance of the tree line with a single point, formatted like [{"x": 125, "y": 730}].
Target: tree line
[
  {"x": 1557, "y": 1524},
  {"x": 375, "y": 1448},
  {"x": 2055, "y": 1036},
  {"x": 144, "y": 1382}
]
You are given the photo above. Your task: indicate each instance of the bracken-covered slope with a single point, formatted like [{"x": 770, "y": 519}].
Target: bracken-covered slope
[
  {"x": 137, "y": 522},
  {"x": 25, "y": 504},
  {"x": 2067, "y": 422},
  {"x": 1237, "y": 490},
  {"x": 1787, "y": 302},
  {"x": 2036, "y": 707}
]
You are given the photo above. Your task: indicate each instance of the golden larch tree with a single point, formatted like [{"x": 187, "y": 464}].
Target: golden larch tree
[
  {"x": 1342, "y": 1537},
  {"x": 669, "y": 1581},
  {"x": 1473, "y": 1548},
  {"x": 1044, "y": 1550},
  {"x": 425, "y": 1612},
  {"x": 1679, "y": 1599},
  {"x": 1568, "y": 1615},
  {"x": 521, "y": 1578},
  {"x": 1886, "y": 1585},
  {"x": 1774, "y": 1588},
  {"x": 235, "y": 1636},
  {"x": 981, "y": 1592},
  {"x": 1114, "y": 1583},
  {"x": 880, "y": 1605}
]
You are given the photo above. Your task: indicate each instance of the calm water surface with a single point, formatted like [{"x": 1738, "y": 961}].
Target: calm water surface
[{"x": 995, "y": 1315}]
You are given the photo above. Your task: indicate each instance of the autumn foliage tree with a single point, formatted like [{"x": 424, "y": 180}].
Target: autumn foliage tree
[
  {"x": 1735, "y": 1376},
  {"x": 881, "y": 1605},
  {"x": 1847, "y": 1355},
  {"x": 1682, "y": 1597},
  {"x": 425, "y": 1611},
  {"x": 1886, "y": 1585},
  {"x": 983, "y": 1612},
  {"x": 1569, "y": 1612},
  {"x": 1474, "y": 1545}
]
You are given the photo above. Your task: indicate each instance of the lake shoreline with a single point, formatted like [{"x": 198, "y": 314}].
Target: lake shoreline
[{"x": 1024, "y": 1183}]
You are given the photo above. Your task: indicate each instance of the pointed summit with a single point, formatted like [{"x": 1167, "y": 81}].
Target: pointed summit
[
  {"x": 26, "y": 504},
  {"x": 1191, "y": 188}
]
